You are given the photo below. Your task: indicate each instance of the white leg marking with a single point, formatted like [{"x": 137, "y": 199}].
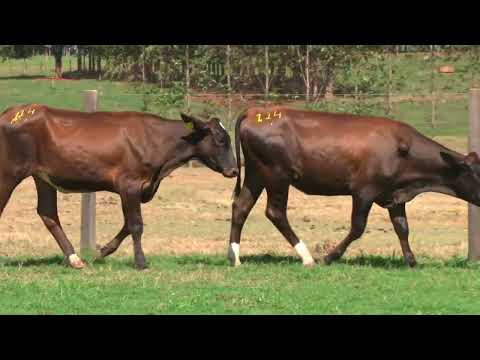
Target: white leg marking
[
  {"x": 75, "y": 261},
  {"x": 303, "y": 252},
  {"x": 234, "y": 254}
]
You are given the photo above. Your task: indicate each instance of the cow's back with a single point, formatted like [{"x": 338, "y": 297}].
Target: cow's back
[
  {"x": 64, "y": 144},
  {"x": 331, "y": 152}
]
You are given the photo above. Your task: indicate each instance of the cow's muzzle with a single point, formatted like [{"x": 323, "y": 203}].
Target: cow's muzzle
[{"x": 230, "y": 173}]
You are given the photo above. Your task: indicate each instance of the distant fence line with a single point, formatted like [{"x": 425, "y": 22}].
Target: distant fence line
[{"x": 425, "y": 111}]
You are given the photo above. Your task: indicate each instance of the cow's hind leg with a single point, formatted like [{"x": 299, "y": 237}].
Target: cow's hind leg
[
  {"x": 400, "y": 224},
  {"x": 131, "y": 201},
  {"x": 241, "y": 207},
  {"x": 48, "y": 212},
  {"x": 360, "y": 210},
  {"x": 277, "y": 213},
  {"x": 7, "y": 185}
]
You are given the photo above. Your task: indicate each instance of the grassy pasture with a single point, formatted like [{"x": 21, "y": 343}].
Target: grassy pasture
[
  {"x": 185, "y": 240},
  {"x": 186, "y": 233}
]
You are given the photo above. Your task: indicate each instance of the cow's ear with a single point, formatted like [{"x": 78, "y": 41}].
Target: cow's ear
[
  {"x": 193, "y": 123},
  {"x": 454, "y": 163},
  {"x": 472, "y": 159}
]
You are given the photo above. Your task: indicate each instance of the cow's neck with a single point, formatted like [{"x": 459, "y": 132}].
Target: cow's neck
[
  {"x": 430, "y": 173},
  {"x": 178, "y": 152}
]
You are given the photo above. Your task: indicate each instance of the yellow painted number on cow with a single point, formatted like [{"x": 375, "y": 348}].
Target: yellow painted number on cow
[
  {"x": 269, "y": 116},
  {"x": 19, "y": 115}
]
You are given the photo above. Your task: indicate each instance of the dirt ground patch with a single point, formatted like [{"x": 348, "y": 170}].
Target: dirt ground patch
[{"x": 190, "y": 214}]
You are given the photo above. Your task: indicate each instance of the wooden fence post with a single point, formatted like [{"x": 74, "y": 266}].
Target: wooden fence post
[
  {"x": 474, "y": 145},
  {"x": 88, "y": 228}
]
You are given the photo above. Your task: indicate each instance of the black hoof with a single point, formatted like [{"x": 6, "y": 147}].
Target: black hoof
[
  {"x": 412, "y": 263},
  {"x": 141, "y": 267},
  {"x": 328, "y": 259}
]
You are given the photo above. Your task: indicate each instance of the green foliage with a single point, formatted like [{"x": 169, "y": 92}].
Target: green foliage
[
  {"x": 153, "y": 97},
  {"x": 350, "y": 68}
]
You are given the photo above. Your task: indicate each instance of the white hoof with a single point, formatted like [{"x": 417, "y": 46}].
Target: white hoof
[
  {"x": 304, "y": 254},
  {"x": 309, "y": 263},
  {"x": 234, "y": 254},
  {"x": 234, "y": 262},
  {"x": 76, "y": 262}
]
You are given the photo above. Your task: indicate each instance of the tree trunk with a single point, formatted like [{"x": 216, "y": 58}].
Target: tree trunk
[
  {"x": 187, "y": 76},
  {"x": 58, "y": 64},
  {"x": 89, "y": 61},
  {"x": 432, "y": 88},
  {"x": 229, "y": 69},
  {"x": 267, "y": 73},
  {"x": 389, "y": 80},
  {"x": 329, "y": 83},
  {"x": 99, "y": 65},
  {"x": 46, "y": 60},
  {"x": 307, "y": 74},
  {"x": 229, "y": 86},
  {"x": 79, "y": 61}
]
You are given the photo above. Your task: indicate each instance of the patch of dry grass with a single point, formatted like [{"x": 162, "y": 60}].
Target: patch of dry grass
[{"x": 191, "y": 212}]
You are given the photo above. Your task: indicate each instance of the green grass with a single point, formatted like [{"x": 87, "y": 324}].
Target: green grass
[
  {"x": 451, "y": 119},
  {"x": 263, "y": 285},
  {"x": 68, "y": 94},
  {"x": 206, "y": 284}
]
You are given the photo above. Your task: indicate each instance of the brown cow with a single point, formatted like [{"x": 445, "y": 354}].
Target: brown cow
[
  {"x": 375, "y": 160},
  {"x": 128, "y": 153}
]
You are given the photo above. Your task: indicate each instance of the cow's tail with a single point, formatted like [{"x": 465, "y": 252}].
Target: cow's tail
[{"x": 238, "y": 146}]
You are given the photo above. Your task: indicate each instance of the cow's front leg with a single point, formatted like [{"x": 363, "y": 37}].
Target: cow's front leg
[
  {"x": 398, "y": 217},
  {"x": 360, "y": 210},
  {"x": 277, "y": 213},
  {"x": 131, "y": 201},
  {"x": 241, "y": 207},
  {"x": 47, "y": 210}
]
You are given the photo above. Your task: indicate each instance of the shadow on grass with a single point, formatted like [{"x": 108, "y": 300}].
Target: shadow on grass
[
  {"x": 248, "y": 259},
  {"x": 390, "y": 262},
  {"x": 80, "y": 75},
  {"x": 74, "y": 75},
  {"x": 374, "y": 261},
  {"x": 51, "y": 260},
  {"x": 23, "y": 77},
  {"x": 203, "y": 260},
  {"x": 270, "y": 259}
]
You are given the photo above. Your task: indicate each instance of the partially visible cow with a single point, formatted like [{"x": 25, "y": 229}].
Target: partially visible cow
[
  {"x": 128, "y": 153},
  {"x": 373, "y": 159}
]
